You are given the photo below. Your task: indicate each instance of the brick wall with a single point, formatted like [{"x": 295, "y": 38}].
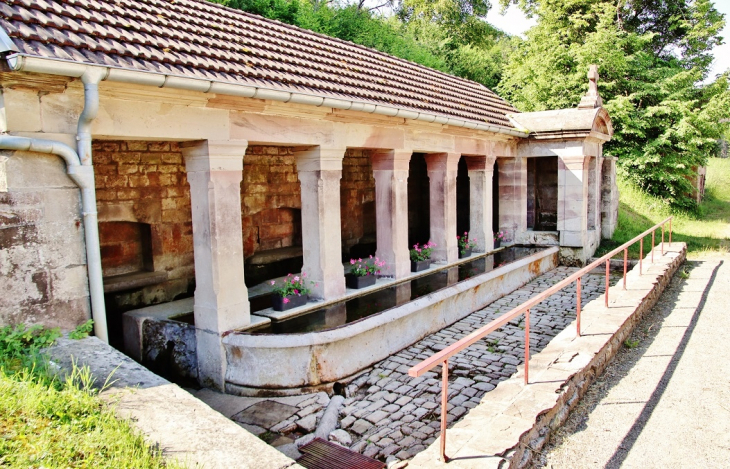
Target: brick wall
[
  {"x": 271, "y": 200},
  {"x": 357, "y": 199},
  {"x": 146, "y": 182}
]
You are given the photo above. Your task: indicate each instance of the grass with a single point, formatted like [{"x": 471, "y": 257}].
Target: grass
[
  {"x": 48, "y": 422},
  {"x": 706, "y": 232}
]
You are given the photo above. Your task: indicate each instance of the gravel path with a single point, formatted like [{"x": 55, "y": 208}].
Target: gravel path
[{"x": 664, "y": 401}]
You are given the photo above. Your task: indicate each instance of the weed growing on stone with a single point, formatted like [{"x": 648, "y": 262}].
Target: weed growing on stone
[
  {"x": 684, "y": 273},
  {"x": 82, "y": 331},
  {"x": 629, "y": 343}
]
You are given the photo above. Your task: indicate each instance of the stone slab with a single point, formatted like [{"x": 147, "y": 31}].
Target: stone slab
[{"x": 182, "y": 426}]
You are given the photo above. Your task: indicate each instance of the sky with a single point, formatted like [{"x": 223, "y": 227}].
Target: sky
[{"x": 514, "y": 22}]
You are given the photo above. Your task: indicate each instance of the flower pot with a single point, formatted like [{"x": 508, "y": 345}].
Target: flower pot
[
  {"x": 464, "y": 253},
  {"x": 294, "y": 302},
  {"x": 417, "y": 266},
  {"x": 356, "y": 281},
  {"x": 497, "y": 243}
]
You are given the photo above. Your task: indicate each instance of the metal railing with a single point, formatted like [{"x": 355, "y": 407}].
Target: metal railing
[{"x": 443, "y": 356}]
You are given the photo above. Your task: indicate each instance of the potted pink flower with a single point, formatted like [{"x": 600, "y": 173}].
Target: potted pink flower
[
  {"x": 291, "y": 293},
  {"x": 363, "y": 273},
  {"x": 465, "y": 245},
  {"x": 421, "y": 256},
  {"x": 498, "y": 237}
]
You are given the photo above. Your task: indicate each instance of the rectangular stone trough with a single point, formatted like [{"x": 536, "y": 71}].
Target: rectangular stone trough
[{"x": 264, "y": 363}]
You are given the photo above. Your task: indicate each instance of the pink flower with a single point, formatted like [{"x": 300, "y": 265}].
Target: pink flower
[
  {"x": 296, "y": 292},
  {"x": 296, "y": 279},
  {"x": 286, "y": 300},
  {"x": 352, "y": 261},
  {"x": 304, "y": 275},
  {"x": 273, "y": 282}
]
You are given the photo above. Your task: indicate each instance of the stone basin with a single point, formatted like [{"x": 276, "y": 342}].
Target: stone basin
[{"x": 266, "y": 364}]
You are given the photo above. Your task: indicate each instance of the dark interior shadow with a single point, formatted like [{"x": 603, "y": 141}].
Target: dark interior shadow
[{"x": 629, "y": 440}]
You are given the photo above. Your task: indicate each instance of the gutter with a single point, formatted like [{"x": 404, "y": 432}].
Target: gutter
[
  {"x": 83, "y": 176},
  {"x": 25, "y": 63}
]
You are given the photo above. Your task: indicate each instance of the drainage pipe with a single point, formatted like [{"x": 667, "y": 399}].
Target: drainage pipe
[
  {"x": 25, "y": 63},
  {"x": 83, "y": 176}
]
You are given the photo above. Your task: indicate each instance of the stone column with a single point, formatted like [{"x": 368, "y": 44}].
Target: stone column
[
  {"x": 609, "y": 197},
  {"x": 390, "y": 170},
  {"x": 442, "y": 169},
  {"x": 481, "y": 175},
  {"x": 573, "y": 200},
  {"x": 512, "y": 197},
  {"x": 320, "y": 171},
  {"x": 214, "y": 172}
]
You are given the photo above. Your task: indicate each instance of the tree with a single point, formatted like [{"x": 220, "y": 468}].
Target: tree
[{"x": 652, "y": 57}]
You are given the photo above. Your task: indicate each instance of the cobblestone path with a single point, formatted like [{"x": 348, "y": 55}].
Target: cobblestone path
[{"x": 389, "y": 413}]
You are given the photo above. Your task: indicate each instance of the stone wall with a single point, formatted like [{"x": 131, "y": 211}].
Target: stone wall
[
  {"x": 542, "y": 193},
  {"x": 357, "y": 203},
  {"x": 141, "y": 182},
  {"x": 43, "y": 276}
]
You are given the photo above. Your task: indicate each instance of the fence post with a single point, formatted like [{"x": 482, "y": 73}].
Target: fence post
[
  {"x": 608, "y": 264},
  {"x": 641, "y": 256},
  {"x": 578, "y": 298},
  {"x": 444, "y": 404},
  {"x": 626, "y": 260},
  {"x": 527, "y": 346}
]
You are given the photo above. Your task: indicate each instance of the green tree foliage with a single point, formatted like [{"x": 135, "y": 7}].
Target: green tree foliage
[{"x": 652, "y": 57}]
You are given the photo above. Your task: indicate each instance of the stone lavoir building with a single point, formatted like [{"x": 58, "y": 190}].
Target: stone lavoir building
[{"x": 156, "y": 150}]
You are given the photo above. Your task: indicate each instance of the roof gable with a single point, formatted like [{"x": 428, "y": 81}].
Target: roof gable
[{"x": 197, "y": 39}]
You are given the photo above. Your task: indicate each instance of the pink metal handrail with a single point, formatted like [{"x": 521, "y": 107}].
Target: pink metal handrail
[{"x": 443, "y": 356}]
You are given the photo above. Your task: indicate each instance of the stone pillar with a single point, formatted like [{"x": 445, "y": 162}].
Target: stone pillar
[
  {"x": 214, "y": 172},
  {"x": 320, "y": 171},
  {"x": 573, "y": 200},
  {"x": 390, "y": 170},
  {"x": 609, "y": 197},
  {"x": 512, "y": 197},
  {"x": 442, "y": 169},
  {"x": 481, "y": 175}
]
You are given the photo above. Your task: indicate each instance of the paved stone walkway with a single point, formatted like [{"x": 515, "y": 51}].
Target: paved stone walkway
[
  {"x": 388, "y": 414},
  {"x": 663, "y": 401}
]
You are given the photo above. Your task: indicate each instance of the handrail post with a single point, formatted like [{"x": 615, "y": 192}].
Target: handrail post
[
  {"x": 578, "y": 298},
  {"x": 652, "y": 245},
  {"x": 626, "y": 260},
  {"x": 641, "y": 256},
  {"x": 670, "y": 232},
  {"x": 444, "y": 404},
  {"x": 662, "y": 239},
  {"x": 608, "y": 264},
  {"x": 527, "y": 346}
]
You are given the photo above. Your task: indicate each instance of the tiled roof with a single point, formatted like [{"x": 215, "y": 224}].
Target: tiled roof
[{"x": 198, "y": 39}]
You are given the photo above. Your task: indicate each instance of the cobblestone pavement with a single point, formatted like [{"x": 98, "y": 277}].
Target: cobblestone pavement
[{"x": 387, "y": 413}]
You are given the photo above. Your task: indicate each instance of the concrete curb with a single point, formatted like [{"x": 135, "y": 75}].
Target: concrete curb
[
  {"x": 514, "y": 421},
  {"x": 182, "y": 426}
]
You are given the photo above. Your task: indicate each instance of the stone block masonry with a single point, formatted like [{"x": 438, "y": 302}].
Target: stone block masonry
[{"x": 42, "y": 260}]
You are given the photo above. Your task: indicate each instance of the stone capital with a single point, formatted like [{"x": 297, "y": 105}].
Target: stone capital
[
  {"x": 319, "y": 159},
  {"x": 480, "y": 162},
  {"x": 442, "y": 161},
  {"x": 384, "y": 160},
  {"x": 208, "y": 155}
]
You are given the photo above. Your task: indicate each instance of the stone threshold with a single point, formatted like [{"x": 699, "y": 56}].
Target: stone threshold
[
  {"x": 170, "y": 418},
  {"x": 350, "y": 293},
  {"x": 513, "y": 422}
]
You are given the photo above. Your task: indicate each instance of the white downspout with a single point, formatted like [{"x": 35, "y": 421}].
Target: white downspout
[
  {"x": 83, "y": 176},
  {"x": 91, "y": 78}
]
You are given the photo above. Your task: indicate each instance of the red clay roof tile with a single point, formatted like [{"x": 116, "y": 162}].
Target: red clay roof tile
[{"x": 197, "y": 39}]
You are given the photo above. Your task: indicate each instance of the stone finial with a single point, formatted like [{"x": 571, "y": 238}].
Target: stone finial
[{"x": 592, "y": 99}]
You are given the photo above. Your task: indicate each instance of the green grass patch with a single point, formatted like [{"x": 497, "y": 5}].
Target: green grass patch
[
  {"x": 48, "y": 422},
  {"x": 705, "y": 231}
]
